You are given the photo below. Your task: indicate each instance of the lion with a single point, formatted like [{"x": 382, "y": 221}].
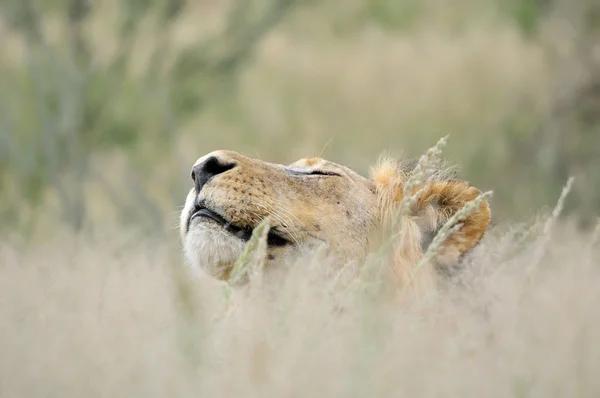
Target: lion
[{"x": 314, "y": 202}]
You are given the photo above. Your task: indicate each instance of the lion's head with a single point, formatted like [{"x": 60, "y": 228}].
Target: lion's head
[{"x": 314, "y": 202}]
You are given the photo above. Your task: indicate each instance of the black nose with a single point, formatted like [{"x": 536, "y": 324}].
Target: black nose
[{"x": 203, "y": 172}]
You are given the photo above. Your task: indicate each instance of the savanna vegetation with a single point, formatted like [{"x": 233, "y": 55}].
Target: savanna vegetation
[{"x": 105, "y": 105}]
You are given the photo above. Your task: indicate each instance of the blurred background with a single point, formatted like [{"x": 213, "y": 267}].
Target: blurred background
[{"x": 105, "y": 105}]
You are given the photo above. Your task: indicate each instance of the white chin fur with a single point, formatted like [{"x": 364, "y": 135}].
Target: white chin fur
[{"x": 211, "y": 249}]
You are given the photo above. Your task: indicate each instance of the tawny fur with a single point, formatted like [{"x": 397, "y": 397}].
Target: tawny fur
[{"x": 350, "y": 214}]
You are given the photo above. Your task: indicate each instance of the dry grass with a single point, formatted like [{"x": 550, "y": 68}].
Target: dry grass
[
  {"x": 119, "y": 315},
  {"x": 407, "y": 90},
  {"x": 371, "y": 90},
  {"x": 79, "y": 319},
  {"x": 375, "y": 92}
]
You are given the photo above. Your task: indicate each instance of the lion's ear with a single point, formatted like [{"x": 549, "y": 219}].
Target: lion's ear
[{"x": 440, "y": 201}]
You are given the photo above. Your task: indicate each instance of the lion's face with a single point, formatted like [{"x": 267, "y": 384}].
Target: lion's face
[{"x": 311, "y": 202}]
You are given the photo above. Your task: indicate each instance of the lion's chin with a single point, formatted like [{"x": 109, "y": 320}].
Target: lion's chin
[{"x": 211, "y": 249}]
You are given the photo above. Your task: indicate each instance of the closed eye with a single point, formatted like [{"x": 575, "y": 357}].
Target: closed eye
[
  {"x": 323, "y": 173},
  {"x": 312, "y": 172}
]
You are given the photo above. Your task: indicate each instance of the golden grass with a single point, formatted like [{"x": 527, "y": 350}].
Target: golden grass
[
  {"x": 83, "y": 317},
  {"x": 366, "y": 92},
  {"x": 364, "y": 96},
  {"x": 116, "y": 314},
  {"x": 407, "y": 89}
]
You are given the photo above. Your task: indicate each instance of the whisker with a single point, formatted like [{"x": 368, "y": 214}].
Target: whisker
[
  {"x": 327, "y": 144},
  {"x": 285, "y": 210},
  {"x": 284, "y": 220}
]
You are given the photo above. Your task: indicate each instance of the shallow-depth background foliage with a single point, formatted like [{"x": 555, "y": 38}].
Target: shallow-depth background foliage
[{"x": 106, "y": 104}]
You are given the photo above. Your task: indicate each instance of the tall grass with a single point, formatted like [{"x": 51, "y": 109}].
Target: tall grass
[
  {"x": 85, "y": 316},
  {"x": 105, "y": 109},
  {"x": 106, "y": 105},
  {"x": 78, "y": 319}
]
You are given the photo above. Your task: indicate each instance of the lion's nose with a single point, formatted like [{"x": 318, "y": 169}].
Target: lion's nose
[{"x": 207, "y": 169}]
